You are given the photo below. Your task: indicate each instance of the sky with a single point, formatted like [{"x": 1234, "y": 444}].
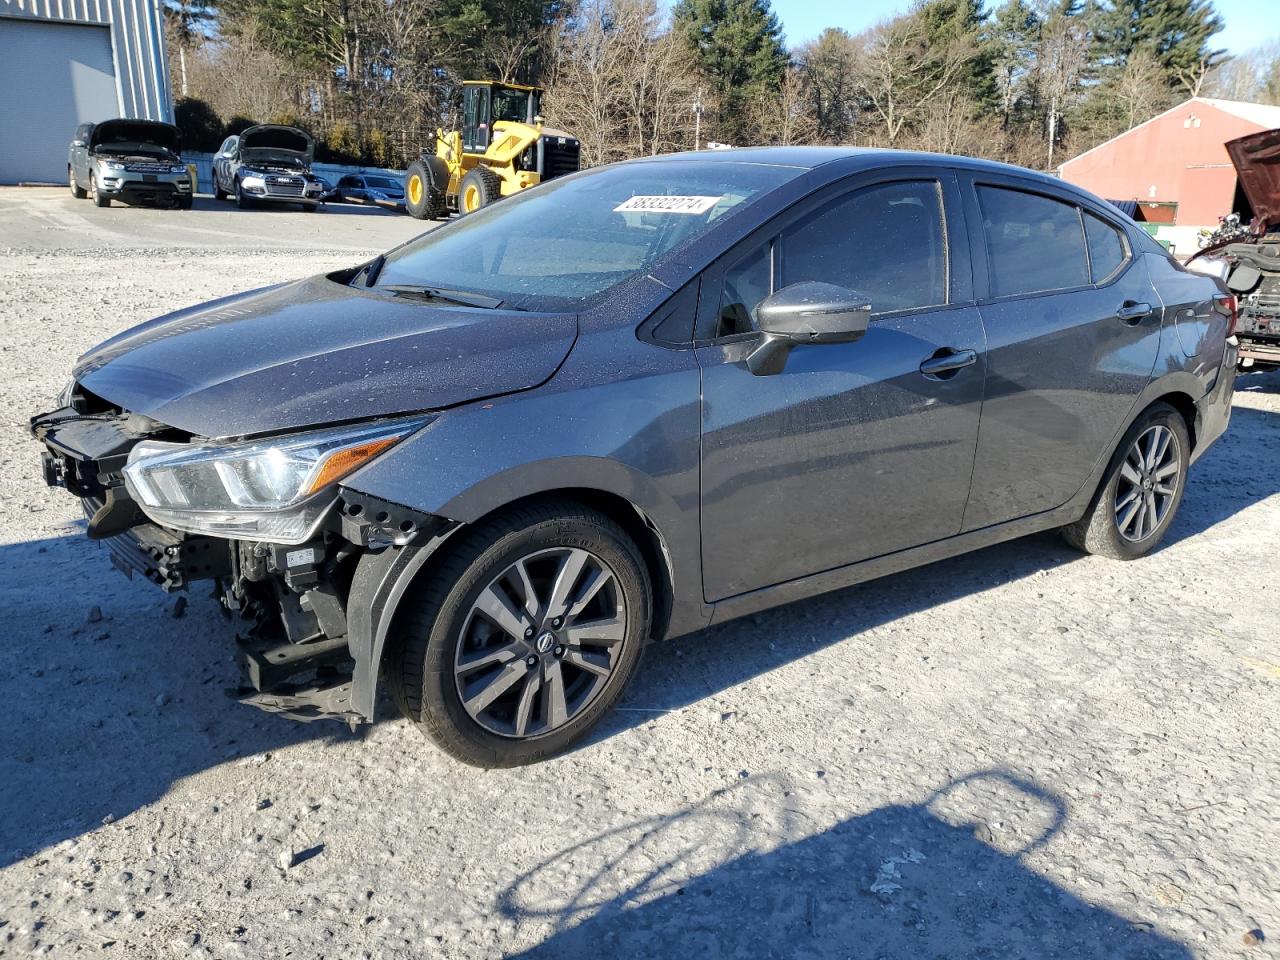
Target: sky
[{"x": 1248, "y": 23}]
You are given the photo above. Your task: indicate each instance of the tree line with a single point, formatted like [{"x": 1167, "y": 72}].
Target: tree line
[{"x": 1029, "y": 81}]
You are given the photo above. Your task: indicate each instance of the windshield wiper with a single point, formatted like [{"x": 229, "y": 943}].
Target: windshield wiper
[{"x": 464, "y": 298}]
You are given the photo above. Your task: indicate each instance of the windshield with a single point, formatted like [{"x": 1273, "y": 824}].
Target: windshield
[
  {"x": 569, "y": 241},
  {"x": 511, "y": 105},
  {"x": 381, "y": 183}
]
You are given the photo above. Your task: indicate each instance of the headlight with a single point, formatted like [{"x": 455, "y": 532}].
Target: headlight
[
  {"x": 274, "y": 489},
  {"x": 112, "y": 165},
  {"x": 177, "y": 168},
  {"x": 253, "y": 180}
]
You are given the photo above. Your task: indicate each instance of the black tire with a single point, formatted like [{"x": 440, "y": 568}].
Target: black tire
[
  {"x": 480, "y": 187},
  {"x": 242, "y": 199},
  {"x": 310, "y": 207},
  {"x": 428, "y": 629},
  {"x": 424, "y": 197},
  {"x": 98, "y": 199},
  {"x": 1099, "y": 530},
  {"x": 77, "y": 191},
  {"x": 184, "y": 203}
]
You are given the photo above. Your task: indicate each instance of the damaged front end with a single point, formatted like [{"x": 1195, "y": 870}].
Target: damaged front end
[{"x": 267, "y": 522}]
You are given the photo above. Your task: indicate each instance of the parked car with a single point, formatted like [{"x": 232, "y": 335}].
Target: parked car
[
  {"x": 490, "y": 465},
  {"x": 1249, "y": 257},
  {"x": 133, "y": 161},
  {"x": 268, "y": 163},
  {"x": 371, "y": 188}
]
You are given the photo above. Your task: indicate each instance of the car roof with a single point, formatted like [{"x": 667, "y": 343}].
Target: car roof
[{"x": 842, "y": 161}]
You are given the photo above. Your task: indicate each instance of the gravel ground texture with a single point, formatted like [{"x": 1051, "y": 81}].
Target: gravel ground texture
[{"x": 1019, "y": 753}]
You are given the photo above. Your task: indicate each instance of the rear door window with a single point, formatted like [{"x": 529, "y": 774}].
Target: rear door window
[
  {"x": 1034, "y": 243},
  {"x": 886, "y": 242},
  {"x": 1107, "y": 249}
]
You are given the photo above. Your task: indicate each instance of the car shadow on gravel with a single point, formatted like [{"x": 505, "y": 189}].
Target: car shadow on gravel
[
  {"x": 946, "y": 877},
  {"x": 111, "y": 699}
]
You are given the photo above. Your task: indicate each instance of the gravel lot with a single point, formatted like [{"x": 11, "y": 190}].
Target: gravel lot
[{"x": 1019, "y": 753}]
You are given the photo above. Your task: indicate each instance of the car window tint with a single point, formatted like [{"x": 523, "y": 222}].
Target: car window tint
[
  {"x": 1106, "y": 247},
  {"x": 746, "y": 283},
  {"x": 886, "y": 242},
  {"x": 1034, "y": 243}
]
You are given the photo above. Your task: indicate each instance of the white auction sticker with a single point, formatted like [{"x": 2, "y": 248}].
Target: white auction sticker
[{"x": 665, "y": 204}]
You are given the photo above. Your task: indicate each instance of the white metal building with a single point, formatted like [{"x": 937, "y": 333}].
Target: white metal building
[{"x": 67, "y": 62}]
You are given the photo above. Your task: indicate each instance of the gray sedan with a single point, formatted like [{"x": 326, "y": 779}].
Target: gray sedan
[{"x": 488, "y": 467}]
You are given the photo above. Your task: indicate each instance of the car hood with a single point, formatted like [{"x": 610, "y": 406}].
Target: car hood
[
  {"x": 316, "y": 352},
  {"x": 274, "y": 142},
  {"x": 1257, "y": 162},
  {"x": 164, "y": 135}
]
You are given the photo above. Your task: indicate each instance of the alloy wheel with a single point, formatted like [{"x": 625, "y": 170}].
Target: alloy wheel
[
  {"x": 540, "y": 642},
  {"x": 1148, "y": 483}
]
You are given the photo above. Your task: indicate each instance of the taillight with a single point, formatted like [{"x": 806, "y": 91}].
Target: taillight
[{"x": 1227, "y": 305}]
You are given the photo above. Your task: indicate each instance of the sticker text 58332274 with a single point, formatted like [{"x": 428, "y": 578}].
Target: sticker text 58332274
[{"x": 666, "y": 204}]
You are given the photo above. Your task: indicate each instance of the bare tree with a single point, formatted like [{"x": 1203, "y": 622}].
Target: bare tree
[
  {"x": 902, "y": 73},
  {"x": 621, "y": 81},
  {"x": 787, "y": 116}
]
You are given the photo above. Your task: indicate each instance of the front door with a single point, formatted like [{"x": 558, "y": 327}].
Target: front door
[
  {"x": 1073, "y": 331},
  {"x": 852, "y": 451}
]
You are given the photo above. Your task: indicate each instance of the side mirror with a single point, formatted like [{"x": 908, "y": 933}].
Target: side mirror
[
  {"x": 79, "y": 143},
  {"x": 809, "y": 312}
]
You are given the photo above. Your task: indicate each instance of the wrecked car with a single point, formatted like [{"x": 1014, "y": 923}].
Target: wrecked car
[
  {"x": 1251, "y": 262},
  {"x": 483, "y": 470},
  {"x": 133, "y": 161},
  {"x": 269, "y": 163}
]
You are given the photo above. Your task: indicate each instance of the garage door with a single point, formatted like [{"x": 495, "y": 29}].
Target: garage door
[{"x": 53, "y": 77}]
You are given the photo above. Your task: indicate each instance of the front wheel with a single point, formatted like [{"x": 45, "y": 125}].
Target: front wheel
[
  {"x": 242, "y": 199},
  {"x": 1141, "y": 491},
  {"x": 480, "y": 187},
  {"x": 98, "y": 199},
  {"x": 524, "y": 636}
]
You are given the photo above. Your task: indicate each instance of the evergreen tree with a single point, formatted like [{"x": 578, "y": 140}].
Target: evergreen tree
[
  {"x": 737, "y": 45},
  {"x": 1175, "y": 33}
]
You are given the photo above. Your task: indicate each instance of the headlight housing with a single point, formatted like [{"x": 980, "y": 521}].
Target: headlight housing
[
  {"x": 177, "y": 168},
  {"x": 112, "y": 165},
  {"x": 276, "y": 489}
]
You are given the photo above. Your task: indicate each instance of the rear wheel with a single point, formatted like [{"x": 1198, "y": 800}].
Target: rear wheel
[
  {"x": 1141, "y": 491},
  {"x": 479, "y": 188},
  {"x": 524, "y": 636},
  {"x": 423, "y": 198},
  {"x": 218, "y": 192},
  {"x": 76, "y": 190}
]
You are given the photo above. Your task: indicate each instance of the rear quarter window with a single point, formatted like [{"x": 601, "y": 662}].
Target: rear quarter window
[
  {"x": 1107, "y": 248},
  {"x": 1034, "y": 243}
]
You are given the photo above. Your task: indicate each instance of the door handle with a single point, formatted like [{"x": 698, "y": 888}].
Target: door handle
[
  {"x": 1132, "y": 312},
  {"x": 942, "y": 363}
]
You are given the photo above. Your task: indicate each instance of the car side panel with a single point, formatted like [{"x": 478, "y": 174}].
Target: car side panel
[
  {"x": 621, "y": 417},
  {"x": 1063, "y": 376}
]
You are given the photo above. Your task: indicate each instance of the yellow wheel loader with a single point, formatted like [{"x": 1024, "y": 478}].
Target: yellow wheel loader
[{"x": 502, "y": 148}]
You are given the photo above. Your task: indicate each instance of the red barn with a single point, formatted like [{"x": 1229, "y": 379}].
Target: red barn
[{"x": 1174, "y": 165}]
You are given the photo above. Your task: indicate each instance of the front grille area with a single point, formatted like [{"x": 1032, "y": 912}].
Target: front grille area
[
  {"x": 559, "y": 158},
  {"x": 285, "y": 186},
  {"x": 147, "y": 167}
]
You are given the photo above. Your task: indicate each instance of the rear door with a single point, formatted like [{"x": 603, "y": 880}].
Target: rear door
[
  {"x": 1073, "y": 331},
  {"x": 853, "y": 450}
]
